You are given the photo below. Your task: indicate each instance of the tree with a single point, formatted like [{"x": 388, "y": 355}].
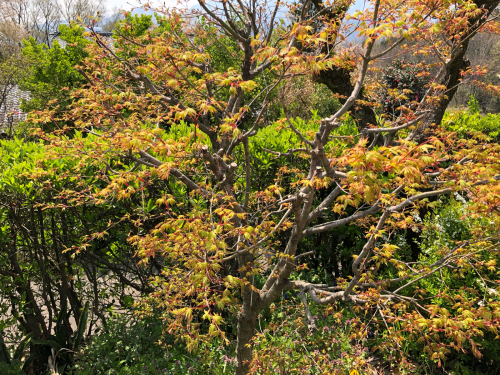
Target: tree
[
  {"x": 13, "y": 66},
  {"x": 230, "y": 246},
  {"x": 47, "y": 17},
  {"x": 54, "y": 74},
  {"x": 36, "y": 18},
  {"x": 87, "y": 11}
]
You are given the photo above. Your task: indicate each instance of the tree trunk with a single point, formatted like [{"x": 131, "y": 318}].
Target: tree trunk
[
  {"x": 246, "y": 317},
  {"x": 338, "y": 79},
  {"x": 246, "y": 331},
  {"x": 450, "y": 74}
]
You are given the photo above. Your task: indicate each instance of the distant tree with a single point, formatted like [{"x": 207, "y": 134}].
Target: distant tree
[
  {"x": 47, "y": 17},
  {"x": 483, "y": 51},
  {"x": 54, "y": 73},
  {"x": 37, "y": 18},
  {"x": 110, "y": 23},
  {"x": 84, "y": 10},
  {"x": 14, "y": 67}
]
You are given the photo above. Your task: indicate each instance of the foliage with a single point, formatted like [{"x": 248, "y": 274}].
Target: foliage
[
  {"x": 14, "y": 368},
  {"x": 473, "y": 294},
  {"x": 54, "y": 72},
  {"x": 132, "y": 26},
  {"x": 39, "y": 224},
  {"x": 163, "y": 133},
  {"x": 467, "y": 122},
  {"x": 287, "y": 346},
  {"x": 13, "y": 69},
  {"x": 132, "y": 346},
  {"x": 459, "y": 293},
  {"x": 63, "y": 345},
  {"x": 281, "y": 139},
  {"x": 14, "y": 365}
]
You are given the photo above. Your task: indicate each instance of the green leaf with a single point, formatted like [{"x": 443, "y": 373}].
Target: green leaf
[
  {"x": 82, "y": 324},
  {"x": 128, "y": 301},
  {"x": 51, "y": 343},
  {"x": 4, "y": 353},
  {"x": 18, "y": 354}
]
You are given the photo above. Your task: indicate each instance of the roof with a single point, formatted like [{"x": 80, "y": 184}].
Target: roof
[{"x": 11, "y": 113}]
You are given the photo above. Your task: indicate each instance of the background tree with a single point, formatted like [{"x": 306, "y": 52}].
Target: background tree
[
  {"x": 37, "y": 18},
  {"x": 47, "y": 17},
  {"x": 13, "y": 65},
  {"x": 73, "y": 10},
  {"x": 54, "y": 74}
]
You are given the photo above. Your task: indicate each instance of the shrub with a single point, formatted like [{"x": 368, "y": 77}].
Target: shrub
[
  {"x": 287, "y": 346},
  {"x": 451, "y": 225},
  {"x": 465, "y": 122},
  {"x": 404, "y": 83},
  {"x": 13, "y": 368},
  {"x": 140, "y": 347}
]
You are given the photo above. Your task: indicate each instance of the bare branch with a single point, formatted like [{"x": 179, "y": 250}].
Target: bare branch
[
  {"x": 285, "y": 154},
  {"x": 311, "y": 324},
  {"x": 338, "y": 223},
  {"x": 393, "y": 129}
]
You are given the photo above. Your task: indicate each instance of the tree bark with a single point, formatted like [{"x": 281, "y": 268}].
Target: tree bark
[
  {"x": 338, "y": 80},
  {"x": 246, "y": 331},
  {"x": 246, "y": 317}
]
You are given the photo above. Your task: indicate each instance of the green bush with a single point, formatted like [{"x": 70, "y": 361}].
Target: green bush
[
  {"x": 467, "y": 122},
  {"x": 445, "y": 228},
  {"x": 13, "y": 368},
  {"x": 140, "y": 346},
  {"x": 133, "y": 346},
  {"x": 286, "y": 345},
  {"x": 398, "y": 78}
]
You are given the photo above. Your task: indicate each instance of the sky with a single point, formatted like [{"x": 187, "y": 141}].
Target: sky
[{"x": 129, "y": 4}]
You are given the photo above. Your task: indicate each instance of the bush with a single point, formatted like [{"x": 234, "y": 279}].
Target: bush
[
  {"x": 140, "y": 347},
  {"x": 13, "y": 368},
  {"x": 465, "y": 122},
  {"x": 53, "y": 74},
  {"x": 287, "y": 346},
  {"x": 404, "y": 83},
  {"x": 450, "y": 225}
]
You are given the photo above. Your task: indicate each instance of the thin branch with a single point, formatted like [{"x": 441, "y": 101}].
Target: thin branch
[
  {"x": 285, "y": 154},
  {"x": 248, "y": 176},
  {"x": 338, "y": 223},
  {"x": 262, "y": 240},
  {"x": 394, "y": 129},
  {"x": 221, "y": 23},
  {"x": 311, "y": 324}
]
